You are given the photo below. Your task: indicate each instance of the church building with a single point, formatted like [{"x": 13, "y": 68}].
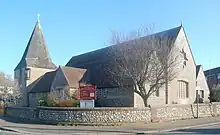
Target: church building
[{"x": 37, "y": 75}]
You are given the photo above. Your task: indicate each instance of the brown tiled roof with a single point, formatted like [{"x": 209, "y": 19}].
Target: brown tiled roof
[
  {"x": 73, "y": 75},
  {"x": 36, "y": 53},
  {"x": 42, "y": 84},
  {"x": 96, "y": 62}
]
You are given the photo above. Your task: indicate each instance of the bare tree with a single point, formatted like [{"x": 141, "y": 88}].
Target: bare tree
[
  {"x": 6, "y": 85},
  {"x": 9, "y": 88},
  {"x": 142, "y": 64}
]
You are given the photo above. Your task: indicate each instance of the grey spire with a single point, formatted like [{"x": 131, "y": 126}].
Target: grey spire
[{"x": 36, "y": 53}]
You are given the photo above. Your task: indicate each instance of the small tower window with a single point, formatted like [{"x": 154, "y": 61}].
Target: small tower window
[{"x": 27, "y": 73}]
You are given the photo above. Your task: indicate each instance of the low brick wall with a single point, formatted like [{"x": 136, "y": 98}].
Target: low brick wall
[{"x": 114, "y": 115}]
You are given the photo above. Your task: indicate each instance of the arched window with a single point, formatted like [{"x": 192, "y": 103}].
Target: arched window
[{"x": 183, "y": 89}]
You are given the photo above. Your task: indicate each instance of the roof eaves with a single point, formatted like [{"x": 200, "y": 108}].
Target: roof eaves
[
  {"x": 189, "y": 46},
  {"x": 34, "y": 83}
]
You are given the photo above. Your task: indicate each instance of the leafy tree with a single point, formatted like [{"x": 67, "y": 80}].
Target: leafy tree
[{"x": 215, "y": 94}]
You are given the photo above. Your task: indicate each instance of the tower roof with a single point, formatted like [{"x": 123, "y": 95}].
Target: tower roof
[{"x": 36, "y": 53}]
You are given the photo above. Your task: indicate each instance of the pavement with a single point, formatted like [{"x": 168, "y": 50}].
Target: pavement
[
  {"x": 210, "y": 125},
  {"x": 208, "y": 130}
]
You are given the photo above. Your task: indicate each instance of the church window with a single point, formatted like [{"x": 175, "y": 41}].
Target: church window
[
  {"x": 183, "y": 89},
  {"x": 27, "y": 73},
  {"x": 98, "y": 93},
  {"x": 202, "y": 93},
  {"x": 104, "y": 93}
]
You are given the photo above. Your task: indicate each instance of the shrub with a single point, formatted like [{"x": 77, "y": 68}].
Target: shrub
[
  {"x": 214, "y": 96},
  {"x": 42, "y": 101},
  {"x": 68, "y": 103},
  {"x": 48, "y": 100},
  {"x": 51, "y": 100},
  {"x": 77, "y": 103}
]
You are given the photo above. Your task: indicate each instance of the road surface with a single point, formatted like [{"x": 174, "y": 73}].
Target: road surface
[
  {"x": 32, "y": 131},
  {"x": 191, "y": 126},
  {"x": 208, "y": 130}
]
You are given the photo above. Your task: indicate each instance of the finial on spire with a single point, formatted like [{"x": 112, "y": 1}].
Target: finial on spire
[
  {"x": 181, "y": 23},
  {"x": 38, "y": 17}
]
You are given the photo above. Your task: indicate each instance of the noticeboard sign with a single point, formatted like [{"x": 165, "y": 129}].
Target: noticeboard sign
[{"x": 87, "y": 92}]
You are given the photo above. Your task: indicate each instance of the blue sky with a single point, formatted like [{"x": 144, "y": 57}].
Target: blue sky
[{"x": 73, "y": 27}]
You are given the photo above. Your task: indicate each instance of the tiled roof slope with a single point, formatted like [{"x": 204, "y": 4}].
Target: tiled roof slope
[
  {"x": 212, "y": 71},
  {"x": 36, "y": 53},
  {"x": 43, "y": 84},
  {"x": 73, "y": 75},
  {"x": 95, "y": 62}
]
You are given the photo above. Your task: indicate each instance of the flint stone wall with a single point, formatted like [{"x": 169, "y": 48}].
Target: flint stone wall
[
  {"x": 114, "y": 115},
  {"x": 22, "y": 112},
  {"x": 95, "y": 115},
  {"x": 177, "y": 112}
]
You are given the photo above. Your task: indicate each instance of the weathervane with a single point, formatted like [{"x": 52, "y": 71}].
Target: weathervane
[
  {"x": 181, "y": 22},
  {"x": 38, "y": 17}
]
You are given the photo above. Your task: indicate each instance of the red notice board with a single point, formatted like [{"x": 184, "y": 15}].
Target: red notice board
[{"x": 87, "y": 92}]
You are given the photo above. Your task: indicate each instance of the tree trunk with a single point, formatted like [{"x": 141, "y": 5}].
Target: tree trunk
[
  {"x": 166, "y": 91},
  {"x": 166, "y": 87},
  {"x": 145, "y": 102}
]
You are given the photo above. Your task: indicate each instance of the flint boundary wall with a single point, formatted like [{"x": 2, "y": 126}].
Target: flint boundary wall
[{"x": 113, "y": 115}]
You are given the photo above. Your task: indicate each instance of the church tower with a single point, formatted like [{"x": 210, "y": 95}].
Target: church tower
[{"x": 34, "y": 63}]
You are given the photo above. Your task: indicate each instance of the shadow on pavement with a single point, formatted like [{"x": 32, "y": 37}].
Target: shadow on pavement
[
  {"x": 20, "y": 121},
  {"x": 76, "y": 130},
  {"x": 199, "y": 131}
]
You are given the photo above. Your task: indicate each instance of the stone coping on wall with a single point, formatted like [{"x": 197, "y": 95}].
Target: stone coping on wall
[
  {"x": 80, "y": 109},
  {"x": 22, "y": 108},
  {"x": 184, "y": 105},
  {"x": 171, "y": 105},
  {"x": 93, "y": 109},
  {"x": 215, "y": 103}
]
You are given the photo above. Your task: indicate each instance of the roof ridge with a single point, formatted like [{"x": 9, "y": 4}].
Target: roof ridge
[
  {"x": 179, "y": 28},
  {"x": 189, "y": 45},
  {"x": 170, "y": 32}
]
